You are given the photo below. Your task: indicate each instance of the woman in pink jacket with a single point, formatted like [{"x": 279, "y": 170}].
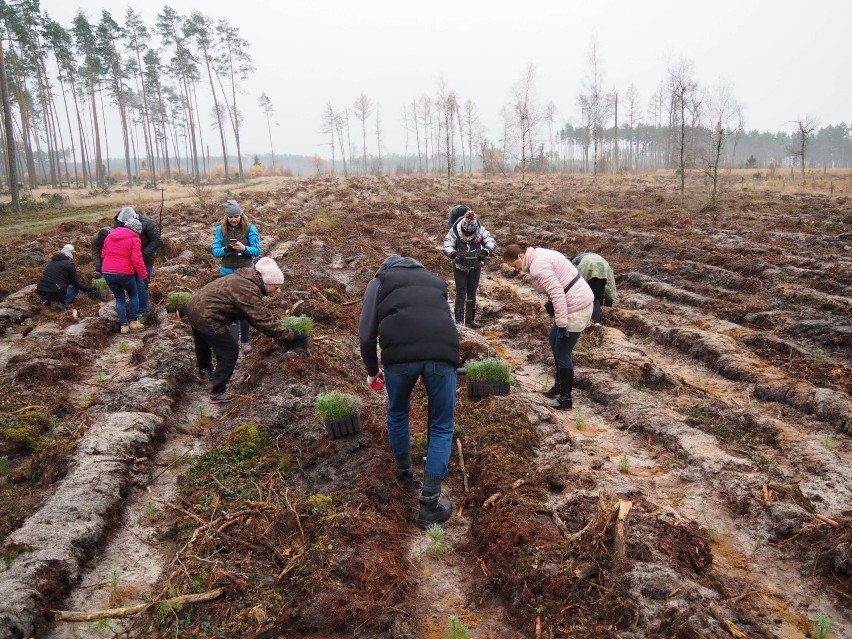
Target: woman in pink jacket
[
  {"x": 570, "y": 305},
  {"x": 121, "y": 262}
]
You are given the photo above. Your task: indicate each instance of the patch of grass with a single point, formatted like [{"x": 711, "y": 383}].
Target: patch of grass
[
  {"x": 488, "y": 370},
  {"x": 437, "y": 544},
  {"x": 298, "y": 324},
  {"x": 178, "y": 298},
  {"x": 12, "y": 551},
  {"x": 228, "y": 471},
  {"x": 100, "y": 628},
  {"x": 318, "y": 502},
  {"x": 456, "y": 629},
  {"x": 624, "y": 464},
  {"x": 336, "y": 405}
]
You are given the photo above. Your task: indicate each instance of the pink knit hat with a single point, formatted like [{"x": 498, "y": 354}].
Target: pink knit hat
[{"x": 269, "y": 271}]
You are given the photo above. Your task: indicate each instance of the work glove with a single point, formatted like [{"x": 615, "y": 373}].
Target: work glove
[
  {"x": 548, "y": 306},
  {"x": 607, "y": 303},
  {"x": 453, "y": 255},
  {"x": 561, "y": 333},
  {"x": 93, "y": 294},
  {"x": 483, "y": 254},
  {"x": 376, "y": 382}
]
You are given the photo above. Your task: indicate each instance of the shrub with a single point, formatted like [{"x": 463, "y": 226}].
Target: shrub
[
  {"x": 178, "y": 298},
  {"x": 336, "y": 405},
  {"x": 488, "y": 370},
  {"x": 298, "y": 324}
]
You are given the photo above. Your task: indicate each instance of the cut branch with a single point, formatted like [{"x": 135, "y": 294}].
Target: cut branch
[{"x": 127, "y": 611}]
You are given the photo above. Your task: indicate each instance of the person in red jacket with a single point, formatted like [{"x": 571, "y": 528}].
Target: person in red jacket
[{"x": 121, "y": 261}]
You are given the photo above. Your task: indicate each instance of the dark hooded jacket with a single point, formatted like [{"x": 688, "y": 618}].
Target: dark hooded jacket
[
  {"x": 405, "y": 308},
  {"x": 58, "y": 274},
  {"x": 213, "y": 308},
  {"x": 150, "y": 237}
]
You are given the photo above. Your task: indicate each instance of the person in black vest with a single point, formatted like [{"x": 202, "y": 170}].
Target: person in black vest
[
  {"x": 237, "y": 243},
  {"x": 405, "y": 309},
  {"x": 151, "y": 242},
  {"x": 59, "y": 283}
]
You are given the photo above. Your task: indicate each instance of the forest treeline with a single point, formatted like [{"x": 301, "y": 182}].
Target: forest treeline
[
  {"x": 173, "y": 88},
  {"x": 59, "y": 83}
]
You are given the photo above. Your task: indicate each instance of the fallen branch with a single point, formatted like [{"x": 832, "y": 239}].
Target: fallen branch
[
  {"x": 488, "y": 502},
  {"x": 828, "y": 521},
  {"x": 729, "y": 625},
  {"x": 128, "y": 611},
  {"x": 461, "y": 462}
]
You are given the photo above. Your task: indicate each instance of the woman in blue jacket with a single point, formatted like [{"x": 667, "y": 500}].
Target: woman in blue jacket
[{"x": 237, "y": 244}]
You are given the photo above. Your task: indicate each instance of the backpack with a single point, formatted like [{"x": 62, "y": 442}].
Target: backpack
[{"x": 456, "y": 212}]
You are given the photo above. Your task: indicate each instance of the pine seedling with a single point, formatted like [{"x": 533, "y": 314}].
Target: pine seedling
[
  {"x": 437, "y": 544},
  {"x": 822, "y": 626},
  {"x": 624, "y": 463},
  {"x": 456, "y": 629},
  {"x": 579, "y": 419},
  {"x": 827, "y": 441}
]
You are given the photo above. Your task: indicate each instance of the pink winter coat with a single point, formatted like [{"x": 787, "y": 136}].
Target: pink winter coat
[
  {"x": 551, "y": 272},
  {"x": 122, "y": 253}
]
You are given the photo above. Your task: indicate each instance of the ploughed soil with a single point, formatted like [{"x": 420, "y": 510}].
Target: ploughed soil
[{"x": 700, "y": 487}]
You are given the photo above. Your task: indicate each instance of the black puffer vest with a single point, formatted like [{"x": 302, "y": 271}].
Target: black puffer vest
[{"x": 414, "y": 318}]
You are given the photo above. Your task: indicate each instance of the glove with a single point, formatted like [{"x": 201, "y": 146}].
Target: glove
[
  {"x": 607, "y": 303},
  {"x": 548, "y": 306},
  {"x": 561, "y": 333},
  {"x": 376, "y": 382},
  {"x": 484, "y": 254},
  {"x": 453, "y": 255},
  {"x": 93, "y": 294}
]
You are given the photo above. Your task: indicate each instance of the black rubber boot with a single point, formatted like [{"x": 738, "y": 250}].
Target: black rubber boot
[
  {"x": 566, "y": 381},
  {"x": 470, "y": 315},
  {"x": 556, "y": 388},
  {"x": 434, "y": 509},
  {"x": 459, "y": 315},
  {"x": 405, "y": 473}
]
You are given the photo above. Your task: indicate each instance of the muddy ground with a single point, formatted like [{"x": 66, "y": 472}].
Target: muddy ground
[{"x": 714, "y": 399}]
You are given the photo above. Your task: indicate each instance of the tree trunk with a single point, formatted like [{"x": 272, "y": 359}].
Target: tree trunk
[{"x": 10, "y": 138}]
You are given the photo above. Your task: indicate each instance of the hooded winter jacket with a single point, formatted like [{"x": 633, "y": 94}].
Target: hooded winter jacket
[
  {"x": 213, "y": 308},
  {"x": 592, "y": 265},
  {"x": 150, "y": 237},
  {"x": 551, "y": 272},
  {"x": 454, "y": 242},
  {"x": 58, "y": 274},
  {"x": 122, "y": 253},
  {"x": 405, "y": 308}
]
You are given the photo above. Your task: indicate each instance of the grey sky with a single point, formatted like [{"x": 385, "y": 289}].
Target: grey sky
[{"x": 784, "y": 59}]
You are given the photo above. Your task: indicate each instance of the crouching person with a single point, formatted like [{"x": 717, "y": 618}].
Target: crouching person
[
  {"x": 59, "y": 283},
  {"x": 213, "y": 308},
  {"x": 405, "y": 309}
]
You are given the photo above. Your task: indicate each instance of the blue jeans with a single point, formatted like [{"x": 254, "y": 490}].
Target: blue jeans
[
  {"x": 562, "y": 348},
  {"x": 439, "y": 378},
  {"x": 57, "y": 298},
  {"x": 119, "y": 285},
  {"x": 142, "y": 288}
]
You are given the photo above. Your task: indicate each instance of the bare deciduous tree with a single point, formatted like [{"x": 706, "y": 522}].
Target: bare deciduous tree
[
  {"x": 684, "y": 111},
  {"x": 724, "y": 118},
  {"x": 595, "y": 105},
  {"x": 363, "y": 109},
  {"x": 526, "y": 116},
  {"x": 802, "y": 138}
]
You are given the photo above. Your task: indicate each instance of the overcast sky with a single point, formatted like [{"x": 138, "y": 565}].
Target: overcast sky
[{"x": 784, "y": 59}]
